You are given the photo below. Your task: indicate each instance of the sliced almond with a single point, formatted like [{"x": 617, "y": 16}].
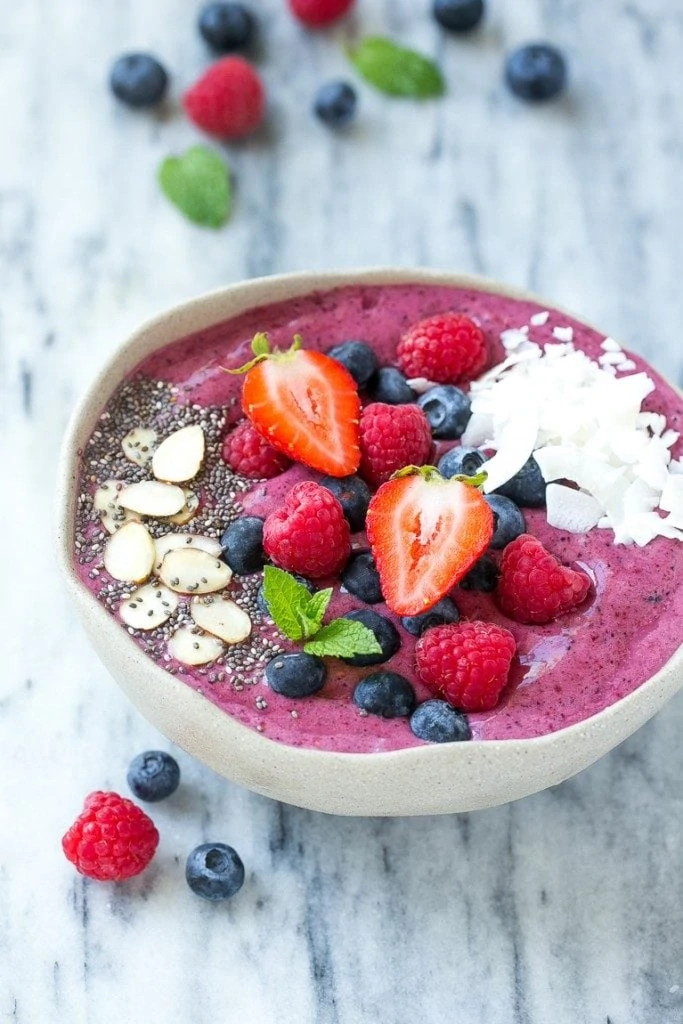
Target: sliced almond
[
  {"x": 221, "y": 618},
  {"x": 179, "y": 457},
  {"x": 170, "y": 541},
  {"x": 193, "y": 648},
  {"x": 139, "y": 444},
  {"x": 150, "y": 498},
  {"x": 129, "y": 554},
  {"x": 106, "y": 502},
  {"x": 191, "y": 571},
  {"x": 149, "y": 606},
  {"x": 189, "y": 509}
]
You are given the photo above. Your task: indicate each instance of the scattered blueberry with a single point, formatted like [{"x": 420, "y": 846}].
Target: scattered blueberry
[
  {"x": 360, "y": 577},
  {"x": 261, "y": 601},
  {"x": 527, "y": 487},
  {"x": 138, "y": 80},
  {"x": 227, "y": 26},
  {"x": 482, "y": 576},
  {"x": 390, "y": 386},
  {"x": 458, "y": 15},
  {"x": 242, "y": 545},
  {"x": 508, "y": 520},
  {"x": 385, "y": 693},
  {"x": 214, "y": 871},
  {"x": 153, "y": 775},
  {"x": 443, "y": 612},
  {"x": 438, "y": 722},
  {"x": 353, "y": 494},
  {"x": 461, "y": 461},
  {"x": 385, "y": 633},
  {"x": 447, "y": 409},
  {"x": 335, "y": 104},
  {"x": 358, "y": 358},
  {"x": 296, "y": 675},
  {"x": 536, "y": 72}
]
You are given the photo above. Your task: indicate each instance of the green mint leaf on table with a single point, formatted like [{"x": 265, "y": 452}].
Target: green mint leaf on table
[
  {"x": 295, "y": 612},
  {"x": 396, "y": 70},
  {"x": 342, "y": 638},
  {"x": 198, "y": 183}
]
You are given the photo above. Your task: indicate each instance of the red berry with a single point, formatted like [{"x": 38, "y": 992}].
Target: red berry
[
  {"x": 111, "y": 840},
  {"x": 391, "y": 437},
  {"x": 309, "y": 534},
  {"x": 466, "y": 662},
  {"x": 534, "y": 586},
  {"x": 228, "y": 100},
  {"x": 247, "y": 453},
  {"x": 319, "y": 12},
  {"x": 448, "y": 348}
]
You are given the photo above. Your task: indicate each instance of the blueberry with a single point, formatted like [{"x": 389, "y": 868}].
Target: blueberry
[
  {"x": 527, "y": 487},
  {"x": 335, "y": 104},
  {"x": 353, "y": 494},
  {"x": 443, "y": 612},
  {"x": 458, "y": 15},
  {"x": 482, "y": 576},
  {"x": 461, "y": 461},
  {"x": 153, "y": 775},
  {"x": 242, "y": 545},
  {"x": 214, "y": 871},
  {"x": 227, "y": 26},
  {"x": 508, "y": 520},
  {"x": 358, "y": 358},
  {"x": 438, "y": 722},
  {"x": 261, "y": 601},
  {"x": 138, "y": 80},
  {"x": 390, "y": 386},
  {"x": 296, "y": 675},
  {"x": 360, "y": 577},
  {"x": 385, "y": 693},
  {"x": 385, "y": 632},
  {"x": 447, "y": 409},
  {"x": 536, "y": 72}
]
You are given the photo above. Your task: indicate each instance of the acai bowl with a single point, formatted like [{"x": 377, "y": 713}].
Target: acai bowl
[{"x": 149, "y": 461}]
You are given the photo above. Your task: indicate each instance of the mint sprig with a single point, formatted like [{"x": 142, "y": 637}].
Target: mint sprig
[
  {"x": 396, "y": 70},
  {"x": 198, "y": 183},
  {"x": 299, "y": 615}
]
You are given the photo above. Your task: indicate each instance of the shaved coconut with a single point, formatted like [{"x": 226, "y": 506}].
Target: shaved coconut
[
  {"x": 420, "y": 385},
  {"x": 627, "y": 364},
  {"x": 563, "y": 333},
  {"x": 610, "y": 345},
  {"x": 571, "y": 510},
  {"x": 478, "y": 431},
  {"x": 539, "y": 319},
  {"x": 611, "y": 358}
]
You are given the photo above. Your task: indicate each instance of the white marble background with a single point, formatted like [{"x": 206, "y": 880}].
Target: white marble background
[{"x": 565, "y": 908}]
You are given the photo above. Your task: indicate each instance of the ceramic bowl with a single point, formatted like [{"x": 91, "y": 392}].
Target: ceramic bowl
[{"x": 432, "y": 779}]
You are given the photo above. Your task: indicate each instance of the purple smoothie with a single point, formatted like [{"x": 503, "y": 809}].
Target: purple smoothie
[{"x": 565, "y": 671}]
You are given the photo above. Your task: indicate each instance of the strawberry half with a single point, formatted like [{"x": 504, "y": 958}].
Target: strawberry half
[
  {"x": 305, "y": 404},
  {"x": 426, "y": 533}
]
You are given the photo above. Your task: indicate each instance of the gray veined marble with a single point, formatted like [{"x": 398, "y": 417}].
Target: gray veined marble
[{"x": 565, "y": 908}]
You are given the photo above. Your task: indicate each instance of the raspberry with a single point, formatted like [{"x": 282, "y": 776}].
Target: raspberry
[
  {"x": 534, "y": 586},
  {"x": 228, "y": 100},
  {"x": 446, "y": 349},
  {"x": 247, "y": 453},
  {"x": 111, "y": 840},
  {"x": 391, "y": 437},
  {"x": 309, "y": 534},
  {"x": 319, "y": 12},
  {"x": 467, "y": 663}
]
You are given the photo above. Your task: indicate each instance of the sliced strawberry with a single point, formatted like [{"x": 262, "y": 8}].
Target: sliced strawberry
[
  {"x": 425, "y": 533},
  {"x": 305, "y": 404}
]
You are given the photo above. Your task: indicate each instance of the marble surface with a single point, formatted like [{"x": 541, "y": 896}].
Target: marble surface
[{"x": 565, "y": 907}]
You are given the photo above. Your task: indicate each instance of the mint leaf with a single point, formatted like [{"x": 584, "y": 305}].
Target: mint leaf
[
  {"x": 287, "y": 602},
  {"x": 317, "y": 605},
  {"x": 396, "y": 70},
  {"x": 198, "y": 183},
  {"x": 343, "y": 638}
]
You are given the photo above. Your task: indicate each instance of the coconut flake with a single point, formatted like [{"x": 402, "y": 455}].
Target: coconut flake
[
  {"x": 610, "y": 345},
  {"x": 571, "y": 510},
  {"x": 539, "y": 319},
  {"x": 563, "y": 333}
]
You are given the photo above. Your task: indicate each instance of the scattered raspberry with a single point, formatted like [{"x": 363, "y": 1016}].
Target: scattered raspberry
[
  {"x": 447, "y": 349},
  {"x": 391, "y": 437},
  {"x": 111, "y": 840},
  {"x": 534, "y": 586},
  {"x": 245, "y": 451},
  {"x": 228, "y": 100},
  {"x": 309, "y": 534},
  {"x": 466, "y": 662},
  {"x": 319, "y": 12}
]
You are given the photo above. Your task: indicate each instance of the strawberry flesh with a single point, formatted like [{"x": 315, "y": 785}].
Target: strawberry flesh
[{"x": 425, "y": 535}]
